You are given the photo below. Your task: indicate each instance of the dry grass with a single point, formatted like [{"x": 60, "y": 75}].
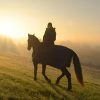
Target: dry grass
[{"x": 16, "y": 82}]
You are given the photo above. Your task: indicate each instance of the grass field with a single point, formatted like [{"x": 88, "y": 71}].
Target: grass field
[{"x": 16, "y": 82}]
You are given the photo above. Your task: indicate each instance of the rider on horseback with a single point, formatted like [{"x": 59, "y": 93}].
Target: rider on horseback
[{"x": 49, "y": 36}]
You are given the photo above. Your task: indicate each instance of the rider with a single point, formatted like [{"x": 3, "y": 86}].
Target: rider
[{"x": 49, "y": 36}]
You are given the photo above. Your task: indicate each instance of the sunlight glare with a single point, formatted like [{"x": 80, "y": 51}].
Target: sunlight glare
[{"x": 10, "y": 28}]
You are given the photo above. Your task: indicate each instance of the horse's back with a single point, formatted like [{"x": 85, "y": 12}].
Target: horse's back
[{"x": 58, "y": 50}]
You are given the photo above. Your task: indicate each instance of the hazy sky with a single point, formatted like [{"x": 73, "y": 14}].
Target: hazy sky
[{"x": 74, "y": 20}]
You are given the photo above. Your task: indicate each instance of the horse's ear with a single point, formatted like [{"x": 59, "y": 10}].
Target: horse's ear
[
  {"x": 29, "y": 34},
  {"x": 34, "y": 34}
]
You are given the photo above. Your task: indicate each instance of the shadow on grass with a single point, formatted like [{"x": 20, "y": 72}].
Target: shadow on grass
[
  {"x": 57, "y": 91},
  {"x": 46, "y": 92},
  {"x": 97, "y": 85}
]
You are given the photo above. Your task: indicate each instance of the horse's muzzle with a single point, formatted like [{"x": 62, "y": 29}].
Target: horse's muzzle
[{"x": 28, "y": 48}]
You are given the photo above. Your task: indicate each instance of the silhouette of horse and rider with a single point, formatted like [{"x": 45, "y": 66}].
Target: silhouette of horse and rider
[{"x": 57, "y": 56}]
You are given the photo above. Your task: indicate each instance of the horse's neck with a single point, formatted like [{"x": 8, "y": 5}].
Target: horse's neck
[{"x": 36, "y": 45}]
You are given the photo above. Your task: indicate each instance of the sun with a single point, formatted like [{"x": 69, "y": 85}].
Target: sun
[
  {"x": 11, "y": 28},
  {"x": 17, "y": 28}
]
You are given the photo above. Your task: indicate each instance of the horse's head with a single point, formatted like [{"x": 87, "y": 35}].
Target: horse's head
[{"x": 32, "y": 41}]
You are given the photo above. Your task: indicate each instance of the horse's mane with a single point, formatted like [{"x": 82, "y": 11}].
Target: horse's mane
[{"x": 37, "y": 39}]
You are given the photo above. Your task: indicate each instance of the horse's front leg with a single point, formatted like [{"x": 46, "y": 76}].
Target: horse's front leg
[
  {"x": 43, "y": 73},
  {"x": 35, "y": 70}
]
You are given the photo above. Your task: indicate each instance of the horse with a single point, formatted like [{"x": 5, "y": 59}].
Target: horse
[{"x": 56, "y": 56}]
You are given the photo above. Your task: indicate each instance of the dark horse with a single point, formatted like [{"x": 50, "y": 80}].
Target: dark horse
[{"x": 56, "y": 56}]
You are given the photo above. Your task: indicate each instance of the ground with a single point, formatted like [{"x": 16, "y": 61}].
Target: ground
[{"x": 16, "y": 81}]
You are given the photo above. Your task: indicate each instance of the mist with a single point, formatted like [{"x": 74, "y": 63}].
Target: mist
[
  {"x": 88, "y": 55},
  {"x": 9, "y": 46}
]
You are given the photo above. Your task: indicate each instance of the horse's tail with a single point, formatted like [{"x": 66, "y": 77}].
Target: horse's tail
[{"x": 78, "y": 70}]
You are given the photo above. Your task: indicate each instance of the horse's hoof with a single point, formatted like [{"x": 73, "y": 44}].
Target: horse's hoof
[
  {"x": 57, "y": 83},
  {"x": 69, "y": 88},
  {"x": 35, "y": 79},
  {"x": 49, "y": 81}
]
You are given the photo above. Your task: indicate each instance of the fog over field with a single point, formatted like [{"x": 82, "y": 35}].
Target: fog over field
[{"x": 89, "y": 55}]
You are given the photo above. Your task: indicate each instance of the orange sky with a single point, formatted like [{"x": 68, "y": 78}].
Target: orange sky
[{"x": 74, "y": 20}]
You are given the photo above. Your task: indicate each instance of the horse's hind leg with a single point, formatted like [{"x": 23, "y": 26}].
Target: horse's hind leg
[
  {"x": 59, "y": 78},
  {"x": 68, "y": 75},
  {"x": 43, "y": 73}
]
